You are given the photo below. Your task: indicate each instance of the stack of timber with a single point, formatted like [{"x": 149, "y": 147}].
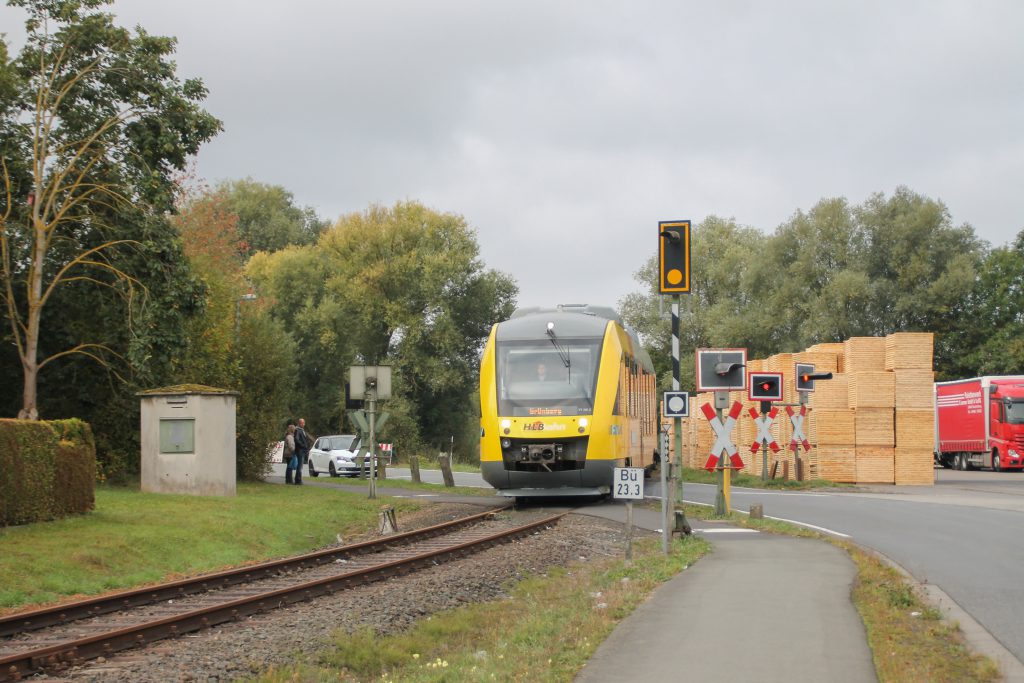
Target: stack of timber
[
  {"x": 909, "y": 357},
  {"x": 873, "y": 422}
]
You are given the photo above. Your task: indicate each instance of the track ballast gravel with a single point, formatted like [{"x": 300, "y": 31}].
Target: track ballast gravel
[{"x": 296, "y": 633}]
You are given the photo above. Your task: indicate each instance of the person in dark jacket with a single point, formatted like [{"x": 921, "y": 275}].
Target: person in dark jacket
[
  {"x": 301, "y": 449},
  {"x": 288, "y": 454}
]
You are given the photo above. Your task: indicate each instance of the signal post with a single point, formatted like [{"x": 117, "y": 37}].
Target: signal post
[
  {"x": 805, "y": 377},
  {"x": 373, "y": 383},
  {"x": 722, "y": 371},
  {"x": 674, "y": 278},
  {"x": 765, "y": 387}
]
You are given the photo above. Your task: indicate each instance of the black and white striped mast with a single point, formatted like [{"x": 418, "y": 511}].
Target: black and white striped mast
[
  {"x": 674, "y": 278},
  {"x": 677, "y": 422}
]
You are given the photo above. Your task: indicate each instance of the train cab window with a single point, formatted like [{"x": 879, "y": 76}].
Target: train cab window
[{"x": 536, "y": 378}]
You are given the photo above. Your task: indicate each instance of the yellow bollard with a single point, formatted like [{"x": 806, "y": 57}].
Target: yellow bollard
[{"x": 726, "y": 477}]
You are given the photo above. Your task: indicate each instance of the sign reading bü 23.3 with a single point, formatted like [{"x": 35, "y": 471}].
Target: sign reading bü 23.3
[{"x": 628, "y": 482}]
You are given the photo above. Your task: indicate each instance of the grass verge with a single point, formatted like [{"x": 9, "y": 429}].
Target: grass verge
[
  {"x": 701, "y": 476},
  {"x": 909, "y": 639},
  {"x": 546, "y": 630},
  {"x": 135, "y": 538},
  {"x": 392, "y": 483}
]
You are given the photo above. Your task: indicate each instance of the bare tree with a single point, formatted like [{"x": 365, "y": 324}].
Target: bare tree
[{"x": 94, "y": 124}]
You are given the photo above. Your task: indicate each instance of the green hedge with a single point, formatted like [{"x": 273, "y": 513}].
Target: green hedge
[{"x": 47, "y": 470}]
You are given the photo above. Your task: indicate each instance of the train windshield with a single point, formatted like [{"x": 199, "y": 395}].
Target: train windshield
[
  {"x": 1015, "y": 412},
  {"x": 537, "y": 378}
]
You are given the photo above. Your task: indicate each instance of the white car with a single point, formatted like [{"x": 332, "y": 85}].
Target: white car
[{"x": 335, "y": 455}]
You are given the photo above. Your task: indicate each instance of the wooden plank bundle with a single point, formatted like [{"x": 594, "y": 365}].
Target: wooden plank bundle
[
  {"x": 871, "y": 389},
  {"x": 914, "y": 466},
  {"x": 831, "y": 394},
  {"x": 823, "y": 361},
  {"x": 833, "y": 427},
  {"x": 909, "y": 351},
  {"x": 863, "y": 354},
  {"x": 837, "y": 463},
  {"x": 913, "y": 389},
  {"x": 876, "y": 465},
  {"x": 915, "y": 429},
  {"x": 874, "y": 427},
  {"x": 838, "y": 348}
]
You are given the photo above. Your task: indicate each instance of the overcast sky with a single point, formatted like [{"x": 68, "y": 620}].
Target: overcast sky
[{"x": 564, "y": 131}]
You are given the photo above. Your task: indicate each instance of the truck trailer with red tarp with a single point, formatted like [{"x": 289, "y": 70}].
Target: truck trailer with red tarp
[{"x": 979, "y": 422}]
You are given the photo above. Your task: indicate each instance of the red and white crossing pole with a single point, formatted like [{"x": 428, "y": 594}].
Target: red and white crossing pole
[
  {"x": 723, "y": 447},
  {"x": 765, "y": 440},
  {"x": 798, "y": 439}
]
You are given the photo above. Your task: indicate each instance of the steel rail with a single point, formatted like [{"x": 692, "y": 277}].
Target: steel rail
[
  {"x": 25, "y": 663},
  {"x": 46, "y": 617}
]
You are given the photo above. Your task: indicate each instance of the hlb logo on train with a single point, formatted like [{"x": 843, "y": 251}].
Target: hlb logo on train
[
  {"x": 540, "y": 426},
  {"x": 628, "y": 482}
]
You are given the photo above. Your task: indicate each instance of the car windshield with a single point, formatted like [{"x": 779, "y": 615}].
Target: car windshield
[
  {"x": 1015, "y": 412},
  {"x": 341, "y": 443},
  {"x": 537, "y": 378}
]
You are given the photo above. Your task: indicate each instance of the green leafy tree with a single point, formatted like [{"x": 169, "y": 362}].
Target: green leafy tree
[
  {"x": 987, "y": 336},
  {"x": 919, "y": 264},
  {"x": 404, "y": 286},
  {"x": 268, "y": 219},
  {"x": 92, "y": 123}
]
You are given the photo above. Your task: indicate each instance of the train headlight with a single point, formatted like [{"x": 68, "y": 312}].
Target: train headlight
[
  {"x": 506, "y": 426},
  {"x": 583, "y": 424},
  {"x": 506, "y": 444}
]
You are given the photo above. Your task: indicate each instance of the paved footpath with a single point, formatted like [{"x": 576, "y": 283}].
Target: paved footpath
[{"x": 759, "y": 607}]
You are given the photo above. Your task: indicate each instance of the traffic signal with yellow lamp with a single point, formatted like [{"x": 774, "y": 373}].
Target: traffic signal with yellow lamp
[{"x": 673, "y": 257}]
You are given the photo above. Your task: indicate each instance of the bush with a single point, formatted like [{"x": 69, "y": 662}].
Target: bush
[
  {"x": 266, "y": 384},
  {"x": 47, "y": 470}
]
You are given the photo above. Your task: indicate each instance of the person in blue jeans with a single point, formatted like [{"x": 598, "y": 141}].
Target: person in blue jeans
[
  {"x": 288, "y": 455},
  {"x": 301, "y": 449}
]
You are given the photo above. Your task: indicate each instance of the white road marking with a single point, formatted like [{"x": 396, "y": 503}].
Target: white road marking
[
  {"x": 778, "y": 519},
  {"x": 732, "y": 530}
]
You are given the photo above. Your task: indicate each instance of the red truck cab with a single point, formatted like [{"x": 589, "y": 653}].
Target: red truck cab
[{"x": 979, "y": 422}]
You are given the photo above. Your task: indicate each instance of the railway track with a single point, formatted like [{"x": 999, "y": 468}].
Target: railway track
[{"x": 53, "y": 638}]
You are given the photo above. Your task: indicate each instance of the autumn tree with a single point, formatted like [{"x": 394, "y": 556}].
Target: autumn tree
[
  {"x": 234, "y": 343},
  {"x": 93, "y": 120},
  {"x": 402, "y": 285}
]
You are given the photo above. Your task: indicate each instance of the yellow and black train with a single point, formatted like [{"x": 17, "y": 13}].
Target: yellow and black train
[{"x": 566, "y": 395}]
